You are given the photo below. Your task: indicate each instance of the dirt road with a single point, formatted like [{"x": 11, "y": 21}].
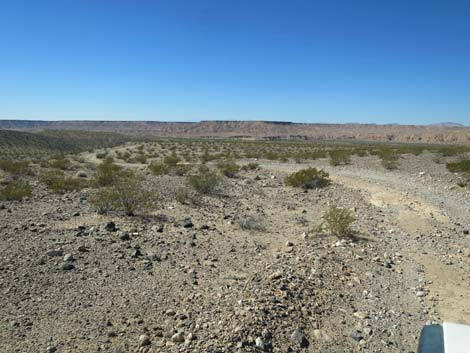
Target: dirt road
[{"x": 429, "y": 217}]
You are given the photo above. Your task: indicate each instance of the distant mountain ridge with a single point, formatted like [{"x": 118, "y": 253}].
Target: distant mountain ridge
[
  {"x": 275, "y": 130},
  {"x": 448, "y": 124}
]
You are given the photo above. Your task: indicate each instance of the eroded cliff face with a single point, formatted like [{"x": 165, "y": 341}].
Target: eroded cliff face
[{"x": 260, "y": 129}]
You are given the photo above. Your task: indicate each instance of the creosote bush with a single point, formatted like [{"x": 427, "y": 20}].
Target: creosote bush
[
  {"x": 126, "y": 194},
  {"x": 462, "y": 166},
  {"x": 309, "y": 178},
  {"x": 15, "y": 190},
  {"x": 172, "y": 160},
  {"x": 250, "y": 166},
  {"x": 338, "y": 157},
  {"x": 165, "y": 169},
  {"x": 338, "y": 221},
  {"x": 389, "y": 159},
  {"x": 57, "y": 182},
  {"x": 60, "y": 162},
  {"x": 108, "y": 173},
  {"x": 205, "y": 181},
  {"x": 228, "y": 168},
  {"x": 18, "y": 168},
  {"x": 187, "y": 196}
]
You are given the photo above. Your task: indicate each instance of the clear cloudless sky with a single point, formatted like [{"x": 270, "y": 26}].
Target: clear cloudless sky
[{"x": 400, "y": 61}]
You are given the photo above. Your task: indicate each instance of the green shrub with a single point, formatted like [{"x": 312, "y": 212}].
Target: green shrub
[
  {"x": 389, "y": 158},
  {"x": 126, "y": 194},
  {"x": 159, "y": 168},
  {"x": 15, "y": 190},
  {"x": 310, "y": 178},
  {"x": 101, "y": 155},
  {"x": 165, "y": 169},
  {"x": 172, "y": 160},
  {"x": 104, "y": 200},
  {"x": 60, "y": 163},
  {"x": 180, "y": 170},
  {"x": 18, "y": 168},
  {"x": 228, "y": 168},
  {"x": 205, "y": 181},
  {"x": 250, "y": 166},
  {"x": 461, "y": 166},
  {"x": 338, "y": 157},
  {"x": 271, "y": 155},
  {"x": 57, "y": 182},
  {"x": 187, "y": 196},
  {"x": 206, "y": 157},
  {"x": 338, "y": 222},
  {"x": 107, "y": 173}
]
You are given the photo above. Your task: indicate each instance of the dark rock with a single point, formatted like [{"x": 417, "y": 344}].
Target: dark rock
[
  {"x": 125, "y": 236},
  {"x": 111, "y": 227},
  {"x": 67, "y": 266},
  {"x": 299, "y": 338},
  {"x": 136, "y": 253},
  {"x": 188, "y": 224},
  {"x": 55, "y": 253}
]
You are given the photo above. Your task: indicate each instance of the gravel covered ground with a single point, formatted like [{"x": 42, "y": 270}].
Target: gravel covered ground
[{"x": 189, "y": 279}]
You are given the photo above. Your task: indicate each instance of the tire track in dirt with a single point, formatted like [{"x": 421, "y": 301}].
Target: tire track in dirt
[{"x": 417, "y": 215}]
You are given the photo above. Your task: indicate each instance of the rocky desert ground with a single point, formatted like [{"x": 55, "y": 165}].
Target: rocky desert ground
[{"x": 240, "y": 268}]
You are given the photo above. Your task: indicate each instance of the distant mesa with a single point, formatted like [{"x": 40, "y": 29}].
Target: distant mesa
[
  {"x": 448, "y": 124},
  {"x": 448, "y": 132}
]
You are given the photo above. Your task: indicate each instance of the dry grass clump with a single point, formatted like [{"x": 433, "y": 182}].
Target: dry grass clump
[{"x": 252, "y": 223}]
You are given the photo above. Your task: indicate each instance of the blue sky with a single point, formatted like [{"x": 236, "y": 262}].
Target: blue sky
[{"x": 309, "y": 61}]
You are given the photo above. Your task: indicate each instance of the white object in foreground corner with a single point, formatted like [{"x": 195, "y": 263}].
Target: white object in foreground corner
[
  {"x": 456, "y": 338},
  {"x": 445, "y": 338}
]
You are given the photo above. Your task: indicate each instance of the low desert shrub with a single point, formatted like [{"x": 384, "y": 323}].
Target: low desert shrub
[
  {"x": 206, "y": 157},
  {"x": 338, "y": 157},
  {"x": 108, "y": 173},
  {"x": 172, "y": 160},
  {"x": 57, "y": 182},
  {"x": 101, "y": 155},
  {"x": 61, "y": 163},
  {"x": 187, "y": 196},
  {"x": 104, "y": 200},
  {"x": 389, "y": 159},
  {"x": 15, "y": 190},
  {"x": 126, "y": 194},
  {"x": 338, "y": 222},
  {"x": 462, "y": 166},
  {"x": 228, "y": 168},
  {"x": 251, "y": 222},
  {"x": 159, "y": 168},
  {"x": 13, "y": 167},
  {"x": 205, "y": 181},
  {"x": 165, "y": 169},
  {"x": 309, "y": 178},
  {"x": 250, "y": 166}
]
